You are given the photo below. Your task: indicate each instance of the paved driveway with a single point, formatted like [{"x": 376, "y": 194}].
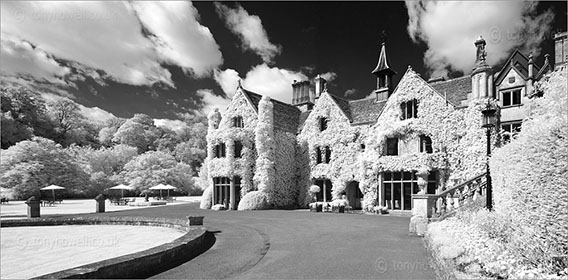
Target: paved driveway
[{"x": 281, "y": 244}]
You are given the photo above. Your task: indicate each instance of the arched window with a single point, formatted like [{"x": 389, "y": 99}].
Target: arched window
[{"x": 425, "y": 144}]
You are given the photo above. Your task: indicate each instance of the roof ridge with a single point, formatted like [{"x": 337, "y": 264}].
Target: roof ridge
[{"x": 271, "y": 99}]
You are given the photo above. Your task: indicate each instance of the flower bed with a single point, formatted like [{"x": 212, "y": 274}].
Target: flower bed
[{"x": 482, "y": 244}]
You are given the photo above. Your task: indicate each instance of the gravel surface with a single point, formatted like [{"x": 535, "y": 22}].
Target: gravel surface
[{"x": 33, "y": 251}]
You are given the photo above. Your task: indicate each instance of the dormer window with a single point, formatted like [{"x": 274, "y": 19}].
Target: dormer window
[
  {"x": 409, "y": 109},
  {"x": 322, "y": 123},
  {"x": 392, "y": 147},
  {"x": 425, "y": 144},
  {"x": 511, "y": 98},
  {"x": 238, "y": 122}
]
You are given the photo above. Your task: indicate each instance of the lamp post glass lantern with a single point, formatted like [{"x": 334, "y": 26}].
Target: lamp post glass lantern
[{"x": 489, "y": 121}]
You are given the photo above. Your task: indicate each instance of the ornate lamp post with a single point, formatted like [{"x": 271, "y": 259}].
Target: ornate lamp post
[{"x": 489, "y": 121}]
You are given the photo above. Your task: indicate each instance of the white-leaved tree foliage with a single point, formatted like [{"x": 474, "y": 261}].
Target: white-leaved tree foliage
[
  {"x": 32, "y": 164},
  {"x": 530, "y": 175}
]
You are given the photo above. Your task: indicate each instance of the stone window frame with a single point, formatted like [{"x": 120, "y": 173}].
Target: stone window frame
[
  {"x": 508, "y": 97},
  {"x": 510, "y": 130},
  {"x": 390, "y": 146},
  {"x": 238, "y": 152},
  {"x": 238, "y": 122},
  {"x": 322, "y": 123},
  {"x": 323, "y": 154},
  {"x": 409, "y": 109},
  {"x": 220, "y": 150},
  {"x": 221, "y": 190},
  {"x": 425, "y": 144}
]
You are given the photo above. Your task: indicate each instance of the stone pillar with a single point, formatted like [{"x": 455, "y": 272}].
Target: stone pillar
[
  {"x": 100, "y": 199},
  {"x": 421, "y": 213},
  {"x": 33, "y": 207},
  {"x": 233, "y": 196}
]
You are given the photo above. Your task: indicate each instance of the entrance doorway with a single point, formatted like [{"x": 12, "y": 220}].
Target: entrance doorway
[
  {"x": 221, "y": 188},
  {"x": 354, "y": 195},
  {"x": 325, "y": 190}
]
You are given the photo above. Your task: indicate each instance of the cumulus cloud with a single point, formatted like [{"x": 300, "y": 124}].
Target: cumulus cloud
[
  {"x": 505, "y": 25},
  {"x": 96, "y": 113},
  {"x": 262, "y": 79},
  {"x": 350, "y": 92},
  {"x": 175, "y": 125},
  {"x": 211, "y": 101},
  {"x": 250, "y": 30},
  {"x": 228, "y": 79},
  {"x": 21, "y": 58},
  {"x": 178, "y": 36},
  {"x": 108, "y": 36},
  {"x": 329, "y": 76}
]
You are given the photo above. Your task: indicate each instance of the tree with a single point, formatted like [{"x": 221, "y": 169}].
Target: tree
[
  {"x": 32, "y": 164},
  {"x": 66, "y": 116},
  {"x": 110, "y": 127},
  {"x": 138, "y": 131},
  {"x": 155, "y": 167},
  {"x": 23, "y": 116}
]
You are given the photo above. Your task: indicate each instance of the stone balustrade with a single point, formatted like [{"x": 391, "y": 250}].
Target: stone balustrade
[{"x": 429, "y": 207}]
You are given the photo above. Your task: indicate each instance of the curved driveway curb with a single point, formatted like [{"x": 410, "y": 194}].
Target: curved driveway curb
[{"x": 280, "y": 244}]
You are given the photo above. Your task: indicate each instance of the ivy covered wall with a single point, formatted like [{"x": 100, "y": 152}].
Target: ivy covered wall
[
  {"x": 221, "y": 130},
  {"x": 344, "y": 142}
]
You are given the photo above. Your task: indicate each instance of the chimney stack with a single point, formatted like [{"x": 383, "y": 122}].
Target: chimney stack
[
  {"x": 302, "y": 97},
  {"x": 319, "y": 85},
  {"x": 560, "y": 49}
]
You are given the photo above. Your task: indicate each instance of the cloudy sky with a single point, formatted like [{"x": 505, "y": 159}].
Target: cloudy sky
[{"x": 168, "y": 59}]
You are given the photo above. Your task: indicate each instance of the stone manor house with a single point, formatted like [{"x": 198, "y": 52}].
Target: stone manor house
[{"x": 415, "y": 137}]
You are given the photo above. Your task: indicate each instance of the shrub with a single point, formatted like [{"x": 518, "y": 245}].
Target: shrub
[
  {"x": 255, "y": 200},
  {"x": 206, "y": 198},
  {"x": 530, "y": 176}
]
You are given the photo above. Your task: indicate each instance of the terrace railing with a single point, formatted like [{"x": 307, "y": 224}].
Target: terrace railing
[{"x": 438, "y": 206}]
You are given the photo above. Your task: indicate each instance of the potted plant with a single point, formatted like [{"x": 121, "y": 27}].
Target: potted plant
[
  {"x": 381, "y": 210},
  {"x": 314, "y": 189}
]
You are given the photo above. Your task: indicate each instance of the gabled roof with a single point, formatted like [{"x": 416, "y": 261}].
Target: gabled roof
[
  {"x": 343, "y": 105},
  {"x": 286, "y": 116},
  {"x": 303, "y": 117},
  {"x": 518, "y": 61},
  {"x": 383, "y": 64},
  {"x": 365, "y": 111},
  {"x": 454, "y": 90}
]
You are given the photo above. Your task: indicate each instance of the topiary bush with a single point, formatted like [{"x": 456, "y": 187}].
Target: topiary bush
[
  {"x": 255, "y": 200},
  {"x": 206, "y": 198}
]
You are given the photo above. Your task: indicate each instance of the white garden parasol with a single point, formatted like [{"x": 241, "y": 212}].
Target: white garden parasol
[
  {"x": 52, "y": 188},
  {"x": 121, "y": 187},
  {"x": 163, "y": 187}
]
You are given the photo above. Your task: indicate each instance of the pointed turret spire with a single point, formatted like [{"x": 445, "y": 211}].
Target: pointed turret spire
[
  {"x": 383, "y": 64},
  {"x": 384, "y": 74}
]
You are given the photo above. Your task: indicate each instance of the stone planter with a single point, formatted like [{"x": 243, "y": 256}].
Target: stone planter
[
  {"x": 341, "y": 209},
  {"x": 319, "y": 208}
]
